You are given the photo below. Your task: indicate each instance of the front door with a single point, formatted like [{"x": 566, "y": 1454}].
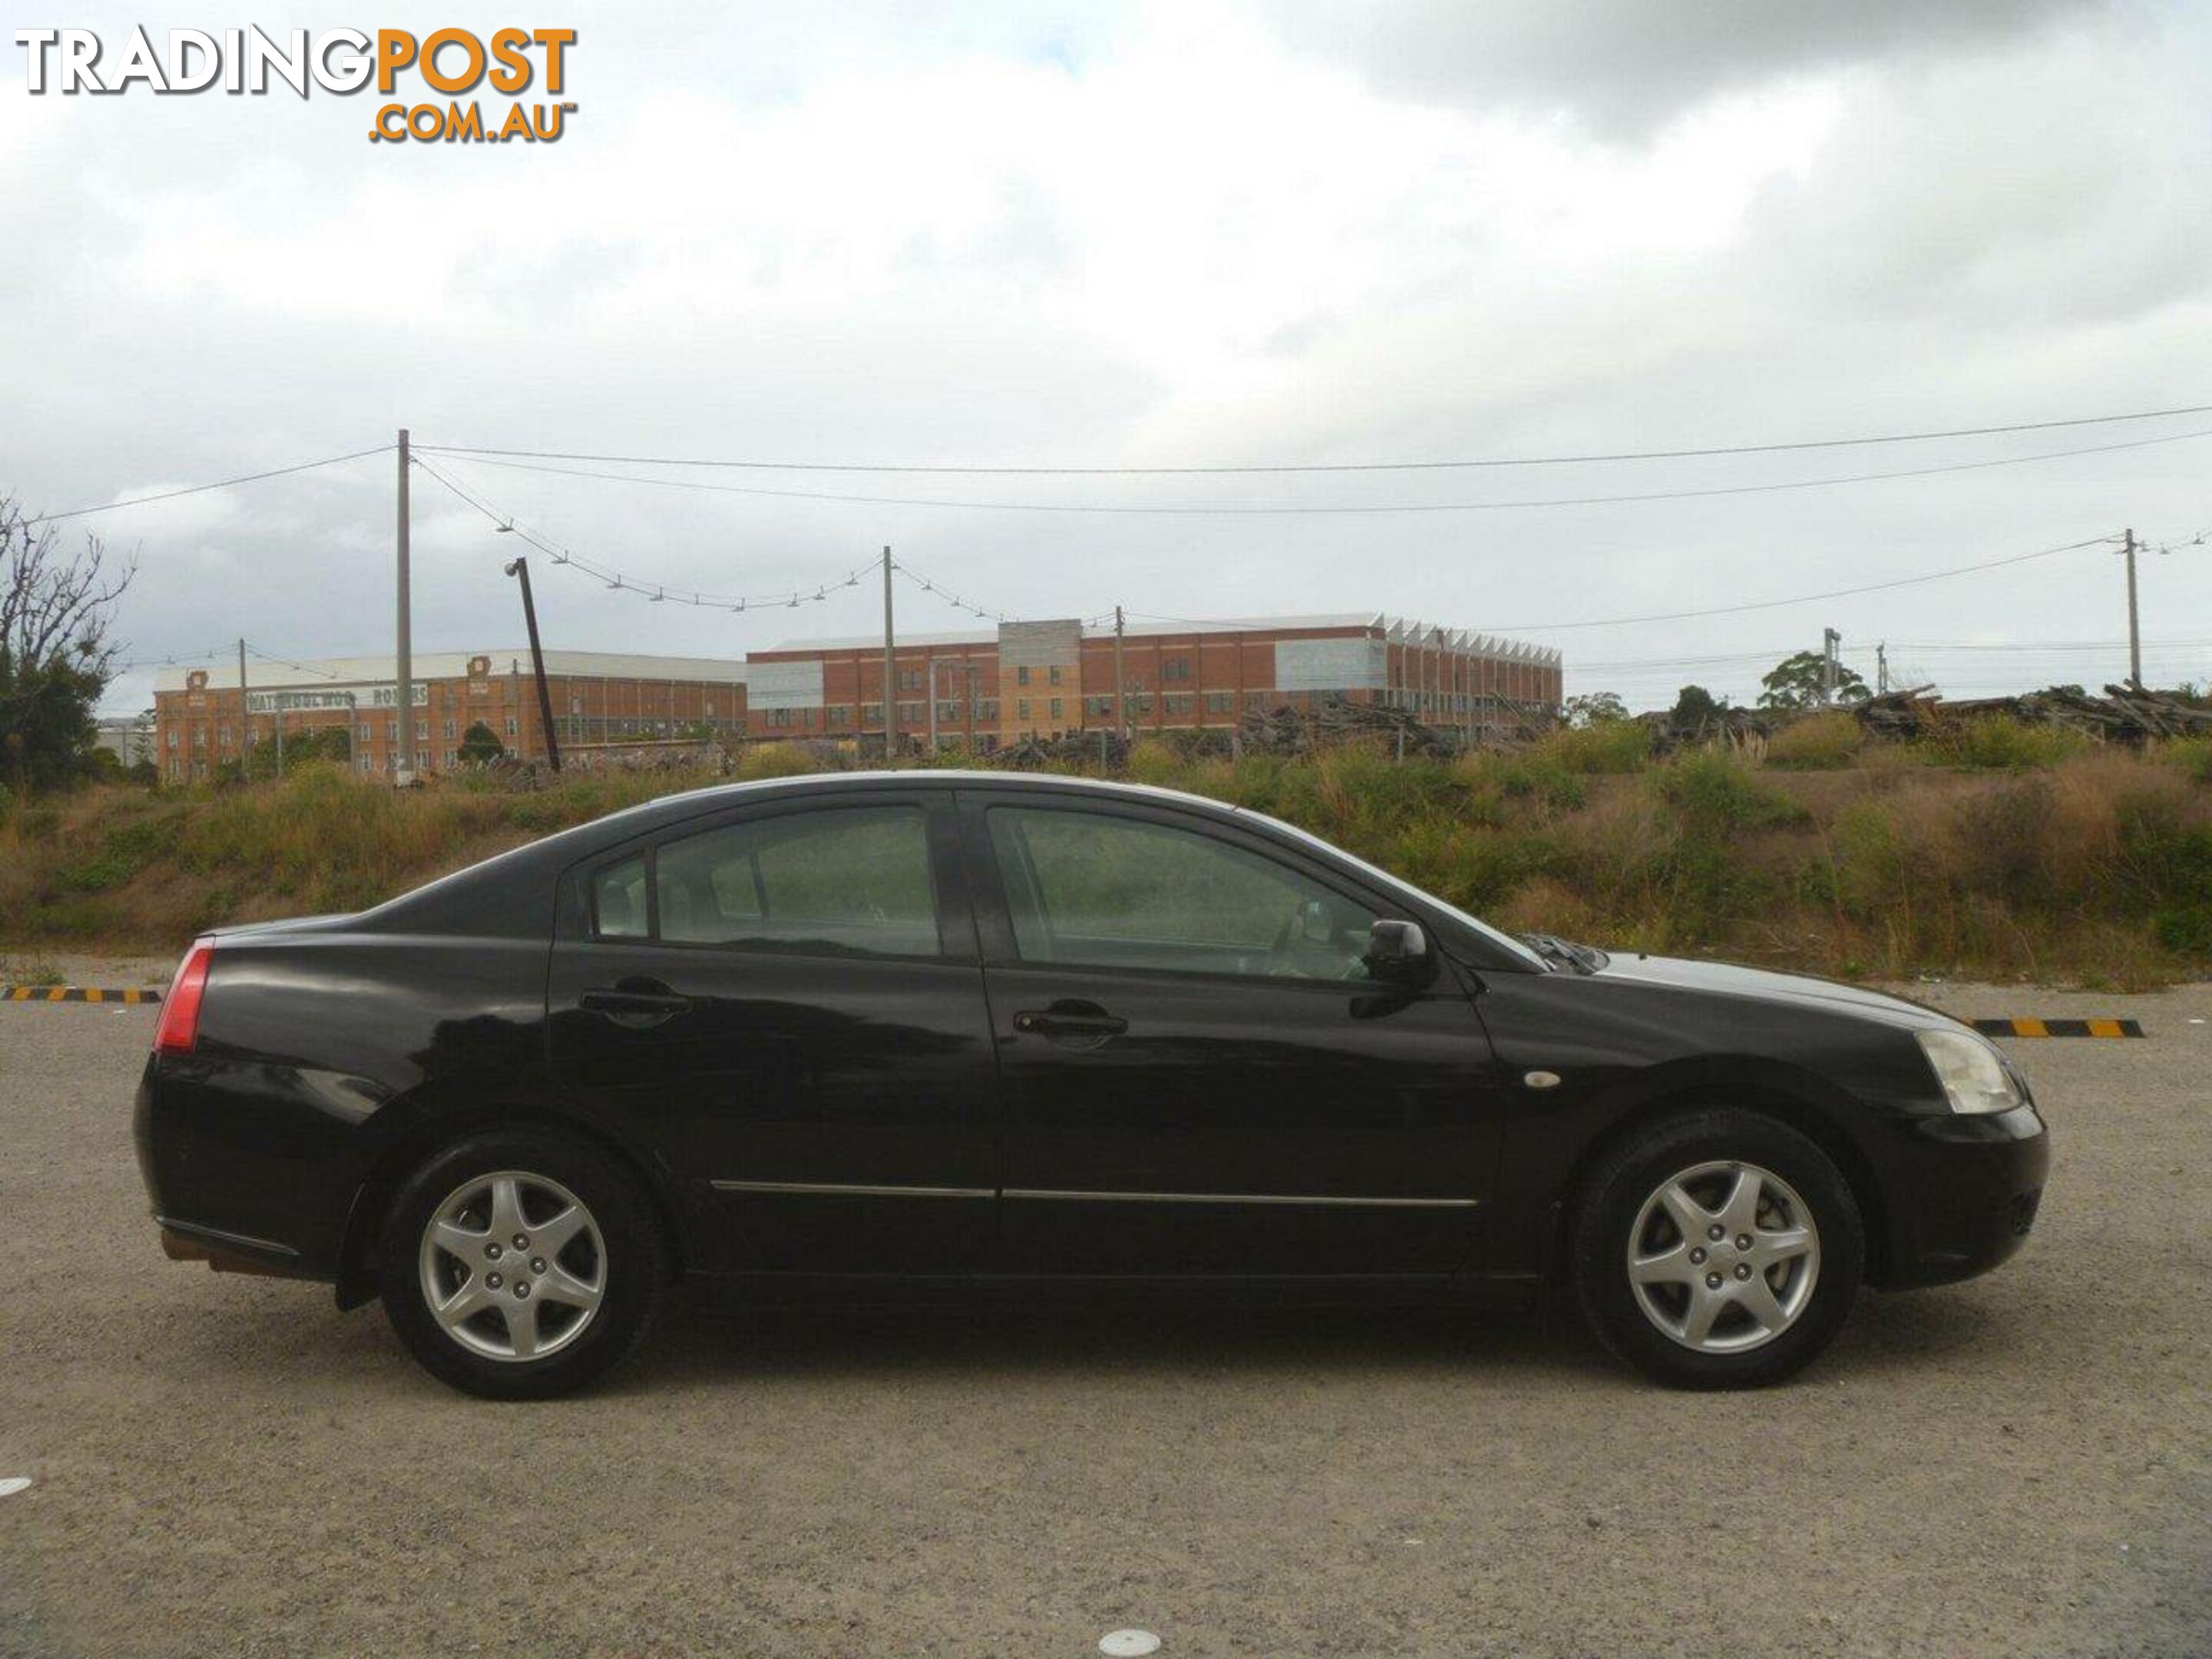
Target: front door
[
  {"x": 786, "y": 999},
  {"x": 1199, "y": 1079}
]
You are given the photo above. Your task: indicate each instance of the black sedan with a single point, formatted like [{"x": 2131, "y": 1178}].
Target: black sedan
[{"x": 929, "y": 1034}]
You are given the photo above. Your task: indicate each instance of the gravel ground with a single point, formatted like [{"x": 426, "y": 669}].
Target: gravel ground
[{"x": 2018, "y": 1464}]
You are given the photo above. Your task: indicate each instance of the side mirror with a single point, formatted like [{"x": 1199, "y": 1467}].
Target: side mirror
[{"x": 1398, "y": 954}]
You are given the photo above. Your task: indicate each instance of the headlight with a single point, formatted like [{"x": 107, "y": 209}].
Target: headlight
[{"x": 1972, "y": 1076}]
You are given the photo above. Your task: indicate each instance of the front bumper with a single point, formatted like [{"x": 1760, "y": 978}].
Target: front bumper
[{"x": 1965, "y": 1189}]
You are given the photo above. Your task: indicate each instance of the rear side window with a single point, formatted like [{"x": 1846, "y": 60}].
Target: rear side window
[
  {"x": 619, "y": 900},
  {"x": 854, "y": 878}
]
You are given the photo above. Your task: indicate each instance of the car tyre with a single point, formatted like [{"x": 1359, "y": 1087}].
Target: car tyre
[
  {"x": 1658, "y": 1257},
  {"x": 520, "y": 1264}
]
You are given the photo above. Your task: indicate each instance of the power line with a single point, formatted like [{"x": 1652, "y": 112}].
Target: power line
[
  {"x": 196, "y": 489},
  {"x": 1341, "y": 466},
  {"x": 656, "y": 593},
  {"x": 1283, "y": 509},
  {"x": 1809, "y": 599},
  {"x": 946, "y": 593}
]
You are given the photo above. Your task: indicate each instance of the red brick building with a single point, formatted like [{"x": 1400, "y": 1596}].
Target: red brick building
[
  {"x": 1051, "y": 678},
  {"x": 599, "y": 697}
]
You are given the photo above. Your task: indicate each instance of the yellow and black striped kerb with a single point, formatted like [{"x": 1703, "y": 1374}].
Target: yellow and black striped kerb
[
  {"x": 2060, "y": 1028},
  {"x": 130, "y": 998}
]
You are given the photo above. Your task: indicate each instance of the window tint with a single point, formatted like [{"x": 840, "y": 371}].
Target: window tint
[
  {"x": 1119, "y": 892},
  {"x": 619, "y": 900},
  {"x": 849, "y": 878}
]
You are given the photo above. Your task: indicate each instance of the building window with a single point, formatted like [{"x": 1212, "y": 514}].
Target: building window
[
  {"x": 1178, "y": 703},
  {"x": 1052, "y": 674},
  {"x": 511, "y": 726},
  {"x": 1177, "y": 669},
  {"x": 910, "y": 679},
  {"x": 910, "y": 713},
  {"x": 421, "y": 731},
  {"x": 224, "y": 738},
  {"x": 450, "y": 732},
  {"x": 173, "y": 739},
  {"x": 1141, "y": 703},
  {"x": 1102, "y": 706},
  {"x": 948, "y": 711},
  {"x": 1022, "y": 675},
  {"x": 1056, "y": 701},
  {"x": 364, "y": 732},
  {"x": 779, "y": 717},
  {"x": 988, "y": 709},
  {"x": 1021, "y": 706},
  {"x": 1220, "y": 702},
  {"x": 871, "y": 713},
  {"x": 1256, "y": 699}
]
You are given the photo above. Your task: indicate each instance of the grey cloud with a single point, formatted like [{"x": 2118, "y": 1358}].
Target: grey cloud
[{"x": 1620, "y": 67}]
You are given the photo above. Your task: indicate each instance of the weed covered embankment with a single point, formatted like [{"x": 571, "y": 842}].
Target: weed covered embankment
[{"x": 2023, "y": 858}]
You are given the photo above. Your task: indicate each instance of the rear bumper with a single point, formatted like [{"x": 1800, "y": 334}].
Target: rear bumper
[
  {"x": 1965, "y": 1190},
  {"x": 238, "y": 1181}
]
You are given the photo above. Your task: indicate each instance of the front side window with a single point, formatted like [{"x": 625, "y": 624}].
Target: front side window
[
  {"x": 848, "y": 879},
  {"x": 1105, "y": 892}
]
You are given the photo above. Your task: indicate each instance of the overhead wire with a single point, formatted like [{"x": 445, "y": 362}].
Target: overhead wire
[
  {"x": 201, "y": 489},
  {"x": 919, "y": 468},
  {"x": 655, "y": 592},
  {"x": 1322, "y": 509}
]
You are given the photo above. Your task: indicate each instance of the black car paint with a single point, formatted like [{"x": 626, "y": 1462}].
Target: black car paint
[{"x": 887, "y": 1128}]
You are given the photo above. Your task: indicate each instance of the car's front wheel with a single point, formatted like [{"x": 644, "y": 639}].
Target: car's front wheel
[
  {"x": 518, "y": 1265},
  {"x": 1720, "y": 1250}
]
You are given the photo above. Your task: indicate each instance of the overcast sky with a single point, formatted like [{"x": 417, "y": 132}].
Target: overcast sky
[{"x": 1187, "y": 234}]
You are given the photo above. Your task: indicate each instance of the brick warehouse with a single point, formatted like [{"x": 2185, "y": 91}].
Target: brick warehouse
[
  {"x": 599, "y": 697},
  {"x": 990, "y": 688},
  {"x": 1044, "y": 678}
]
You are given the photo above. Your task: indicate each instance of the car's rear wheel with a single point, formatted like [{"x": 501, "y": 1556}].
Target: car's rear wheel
[
  {"x": 519, "y": 1264},
  {"x": 1718, "y": 1249}
]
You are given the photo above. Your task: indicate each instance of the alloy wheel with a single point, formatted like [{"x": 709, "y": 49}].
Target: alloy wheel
[
  {"x": 512, "y": 1265},
  {"x": 1723, "y": 1257}
]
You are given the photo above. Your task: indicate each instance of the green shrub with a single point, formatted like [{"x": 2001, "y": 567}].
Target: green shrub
[
  {"x": 1819, "y": 742},
  {"x": 1610, "y": 746},
  {"x": 2001, "y": 743}
]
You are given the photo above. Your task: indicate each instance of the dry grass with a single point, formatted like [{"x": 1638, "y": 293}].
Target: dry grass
[{"x": 2088, "y": 866}]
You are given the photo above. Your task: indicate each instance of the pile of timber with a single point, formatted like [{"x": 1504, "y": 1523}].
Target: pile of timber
[
  {"x": 1032, "y": 754},
  {"x": 2124, "y": 714},
  {"x": 1284, "y": 729}
]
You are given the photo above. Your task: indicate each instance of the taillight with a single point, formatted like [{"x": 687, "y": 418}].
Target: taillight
[{"x": 180, "y": 1010}]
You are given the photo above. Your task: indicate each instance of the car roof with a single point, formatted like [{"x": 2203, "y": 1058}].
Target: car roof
[{"x": 962, "y": 778}]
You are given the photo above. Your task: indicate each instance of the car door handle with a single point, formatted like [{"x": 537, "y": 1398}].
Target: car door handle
[
  {"x": 645, "y": 1002},
  {"x": 1070, "y": 1019}
]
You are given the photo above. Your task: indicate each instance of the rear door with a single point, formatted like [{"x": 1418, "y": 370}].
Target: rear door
[
  {"x": 785, "y": 999},
  {"x": 1199, "y": 1079}
]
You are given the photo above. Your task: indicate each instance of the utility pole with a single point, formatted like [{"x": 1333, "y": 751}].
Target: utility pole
[
  {"x": 2135, "y": 625},
  {"x": 404, "y": 690},
  {"x": 890, "y": 687},
  {"x": 1881, "y": 668},
  {"x": 521, "y": 568},
  {"x": 245, "y": 714},
  {"x": 1829, "y": 640},
  {"x": 276, "y": 718},
  {"x": 1121, "y": 688}
]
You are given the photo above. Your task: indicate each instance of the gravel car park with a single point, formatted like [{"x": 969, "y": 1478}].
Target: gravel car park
[{"x": 2017, "y": 1465}]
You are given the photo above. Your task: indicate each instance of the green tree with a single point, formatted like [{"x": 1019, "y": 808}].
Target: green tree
[
  {"x": 1595, "y": 708},
  {"x": 1693, "y": 706},
  {"x": 55, "y": 655},
  {"x": 480, "y": 745},
  {"x": 1795, "y": 683}
]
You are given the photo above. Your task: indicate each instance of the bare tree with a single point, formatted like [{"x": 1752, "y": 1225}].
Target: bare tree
[{"x": 56, "y": 654}]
